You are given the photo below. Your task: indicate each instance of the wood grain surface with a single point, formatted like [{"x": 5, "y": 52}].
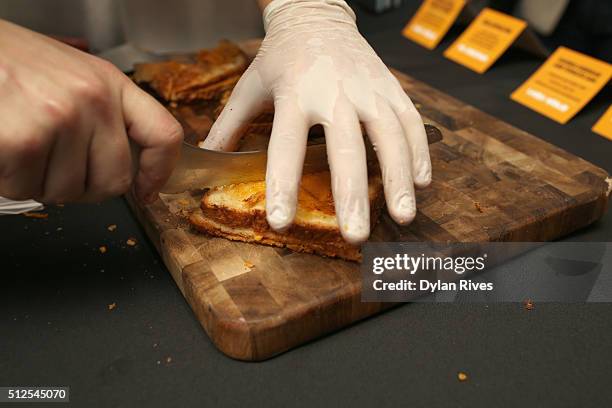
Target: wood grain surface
[{"x": 491, "y": 182}]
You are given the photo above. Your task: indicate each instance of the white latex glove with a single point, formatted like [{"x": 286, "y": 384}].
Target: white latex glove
[{"x": 316, "y": 68}]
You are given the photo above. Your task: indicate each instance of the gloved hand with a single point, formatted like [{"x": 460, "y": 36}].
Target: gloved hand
[
  {"x": 67, "y": 119},
  {"x": 316, "y": 68}
]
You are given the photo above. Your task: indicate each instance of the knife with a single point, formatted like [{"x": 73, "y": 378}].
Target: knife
[{"x": 201, "y": 168}]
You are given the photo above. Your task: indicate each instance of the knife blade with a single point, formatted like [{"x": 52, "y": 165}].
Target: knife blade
[{"x": 201, "y": 168}]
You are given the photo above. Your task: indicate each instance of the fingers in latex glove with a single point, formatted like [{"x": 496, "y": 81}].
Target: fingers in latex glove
[
  {"x": 314, "y": 58},
  {"x": 349, "y": 173},
  {"x": 414, "y": 129},
  {"x": 394, "y": 156},
  {"x": 285, "y": 160},
  {"x": 248, "y": 99}
]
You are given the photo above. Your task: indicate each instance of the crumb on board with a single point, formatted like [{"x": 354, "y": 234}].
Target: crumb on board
[
  {"x": 131, "y": 242},
  {"x": 183, "y": 202},
  {"x": 36, "y": 215},
  {"x": 528, "y": 304},
  {"x": 102, "y": 249},
  {"x": 478, "y": 207},
  {"x": 248, "y": 265},
  {"x": 112, "y": 227},
  {"x": 112, "y": 306},
  {"x": 461, "y": 376}
]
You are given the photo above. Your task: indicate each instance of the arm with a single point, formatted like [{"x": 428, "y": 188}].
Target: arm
[
  {"x": 68, "y": 119},
  {"x": 315, "y": 68}
]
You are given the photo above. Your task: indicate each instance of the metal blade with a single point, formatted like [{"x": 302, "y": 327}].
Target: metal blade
[{"x": 201, "y": 168}]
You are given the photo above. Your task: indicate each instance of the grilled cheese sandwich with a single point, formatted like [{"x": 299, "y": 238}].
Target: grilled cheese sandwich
[
  {"x": 209, "y": 74},
  {"x": 237, "y": 212}
]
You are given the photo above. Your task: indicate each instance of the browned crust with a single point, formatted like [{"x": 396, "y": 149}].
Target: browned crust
[
  {"x": 309, "y": 238},
  {"x": 209, "y": 92},
  {"x": 268, "y": 237},
  {"x": 256, "y": 221},
  {"x": 213, "y": 72}
]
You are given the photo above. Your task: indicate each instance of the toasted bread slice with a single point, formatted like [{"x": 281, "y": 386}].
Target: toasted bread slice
[
  {"x": 237, "y": 212},
  {"x": 207, "y": 77}
]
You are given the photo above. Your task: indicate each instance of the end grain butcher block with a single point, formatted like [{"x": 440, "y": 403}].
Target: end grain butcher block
[{"x": 491, "y": 182}]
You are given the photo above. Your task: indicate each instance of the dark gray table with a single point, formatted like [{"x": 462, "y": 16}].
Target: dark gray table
[{"x": 56, "y": 329}]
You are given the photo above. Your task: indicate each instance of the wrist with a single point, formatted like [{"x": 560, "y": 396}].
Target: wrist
[{"x": 279, "y": 7}]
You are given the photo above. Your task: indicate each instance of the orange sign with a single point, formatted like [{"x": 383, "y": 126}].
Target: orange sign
[
  {"x": 563, "y": 85},
  {"x": 604, "y": 125},
  {"x": 432, "y": 21},
  {"x": 485, "y": 40}
]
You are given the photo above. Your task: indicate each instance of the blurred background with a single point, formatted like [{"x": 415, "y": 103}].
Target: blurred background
[{"x": 159, "y": 26}]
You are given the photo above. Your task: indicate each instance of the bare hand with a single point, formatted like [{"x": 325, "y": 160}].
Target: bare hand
[{"x": 68, "y": 119}]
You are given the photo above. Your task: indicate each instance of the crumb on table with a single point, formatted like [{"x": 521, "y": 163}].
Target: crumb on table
[
  {"x": 131, "y": 242},
  {"x": 112, "y": 227},
  {"x": 461, "y": 376},
  {"x": 36, "y": 215},
  {"x": 102, "y": 249},
  {"x": 112, "y": 306}
]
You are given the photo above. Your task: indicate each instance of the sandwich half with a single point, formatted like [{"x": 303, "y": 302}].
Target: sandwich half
[
  {"x": 206, "y": 76},
  {"x": 237, "y": 212}
]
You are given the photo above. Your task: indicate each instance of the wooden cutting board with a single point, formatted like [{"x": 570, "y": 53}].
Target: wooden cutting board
[{"x": 491, "y": 182}]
